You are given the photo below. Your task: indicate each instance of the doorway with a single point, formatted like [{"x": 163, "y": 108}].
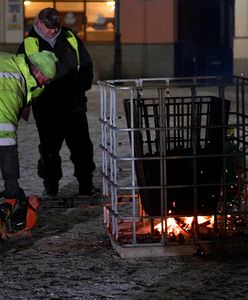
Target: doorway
[{"x": 205, "y": 30}]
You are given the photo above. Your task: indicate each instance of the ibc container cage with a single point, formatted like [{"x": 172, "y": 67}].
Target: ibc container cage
[{"x": 174, "y": 160}]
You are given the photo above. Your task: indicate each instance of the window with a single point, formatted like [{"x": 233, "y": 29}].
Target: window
[
  {"x": 100, "y": 21},
  {"x": 241, "y": 20},
  {"x": 90, "y": 20},
  {"x": 31, "y": 10}
]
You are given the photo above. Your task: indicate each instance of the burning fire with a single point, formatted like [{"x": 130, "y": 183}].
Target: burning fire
[{"x": 180, "y": 227}]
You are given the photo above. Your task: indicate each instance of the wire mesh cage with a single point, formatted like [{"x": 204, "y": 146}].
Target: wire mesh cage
[{"x": 174, "y": 149}]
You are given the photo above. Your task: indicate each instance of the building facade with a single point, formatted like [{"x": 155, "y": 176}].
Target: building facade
[{"x": 158, "y": 38}]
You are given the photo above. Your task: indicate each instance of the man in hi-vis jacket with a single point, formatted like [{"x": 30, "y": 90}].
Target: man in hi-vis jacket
[{"x": 21, "y": 79}]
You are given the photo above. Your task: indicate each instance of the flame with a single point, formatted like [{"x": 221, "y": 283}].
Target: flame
[{"x": 182, "y": 225}]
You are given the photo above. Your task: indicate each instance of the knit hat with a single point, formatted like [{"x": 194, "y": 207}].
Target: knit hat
[
  {"x": 50, "y": 17},
  {"x": 45, "y": 62}
]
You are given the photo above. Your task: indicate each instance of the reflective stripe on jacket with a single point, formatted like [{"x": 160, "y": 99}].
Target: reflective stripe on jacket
[{"x": 16, "y": 88}]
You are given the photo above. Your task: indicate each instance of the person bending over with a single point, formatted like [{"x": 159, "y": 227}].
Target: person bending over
[{"x": 21, "y": 79}]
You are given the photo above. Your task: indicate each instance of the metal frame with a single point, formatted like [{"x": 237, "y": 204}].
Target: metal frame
[{"x": 119, "y": 176}]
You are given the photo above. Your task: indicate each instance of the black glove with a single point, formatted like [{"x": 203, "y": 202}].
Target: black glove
[
  {"x": 18, "y": 217},
  {"x": 17, "y": 221}
]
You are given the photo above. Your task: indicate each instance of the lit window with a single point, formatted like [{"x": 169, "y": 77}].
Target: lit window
[
  {"x": 100, "y": 21},
  {"x": 91, "y": 21}
]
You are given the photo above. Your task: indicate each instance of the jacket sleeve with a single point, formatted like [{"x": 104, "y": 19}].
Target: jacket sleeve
[{"x": 86, "y": 67}]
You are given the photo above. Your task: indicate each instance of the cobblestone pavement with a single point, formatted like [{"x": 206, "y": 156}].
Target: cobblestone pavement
[{"x": 70, "y": 256}]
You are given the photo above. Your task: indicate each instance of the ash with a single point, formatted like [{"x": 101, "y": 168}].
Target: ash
[{"x": 70, "y": 256}]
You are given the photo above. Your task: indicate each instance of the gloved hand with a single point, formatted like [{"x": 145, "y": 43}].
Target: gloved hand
[
  {"x": 18, "y": 218},
  {"x": 17, "y": 221},
  {"x": 26, "y": 113}
]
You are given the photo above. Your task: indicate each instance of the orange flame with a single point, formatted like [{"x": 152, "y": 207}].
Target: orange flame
[{"x": 184, "y": 224}]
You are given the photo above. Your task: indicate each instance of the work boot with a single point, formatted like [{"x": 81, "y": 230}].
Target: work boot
[{"x": 51, "y": 188}]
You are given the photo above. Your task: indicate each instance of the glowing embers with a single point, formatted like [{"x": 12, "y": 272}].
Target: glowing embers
[
  {"x": 179, "y": 229},
  {"x": 143, "y": 229},
  {"x": 128, "y": 229},
  {"x": 149, "y": 230}
]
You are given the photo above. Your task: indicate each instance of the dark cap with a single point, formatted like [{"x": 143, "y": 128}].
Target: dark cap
[{"x": 50, "y": 17}]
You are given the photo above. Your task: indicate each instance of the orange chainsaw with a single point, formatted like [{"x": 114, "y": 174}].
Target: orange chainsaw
[{"x": 17, "y": 222}]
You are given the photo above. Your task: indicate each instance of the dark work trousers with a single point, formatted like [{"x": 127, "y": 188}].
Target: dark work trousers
[
  {"x": 9, "y": 164},
  {"x": 71, "y": 127}
]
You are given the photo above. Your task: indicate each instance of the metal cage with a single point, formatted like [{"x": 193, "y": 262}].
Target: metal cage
[{"x": 174, "y": 149}]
